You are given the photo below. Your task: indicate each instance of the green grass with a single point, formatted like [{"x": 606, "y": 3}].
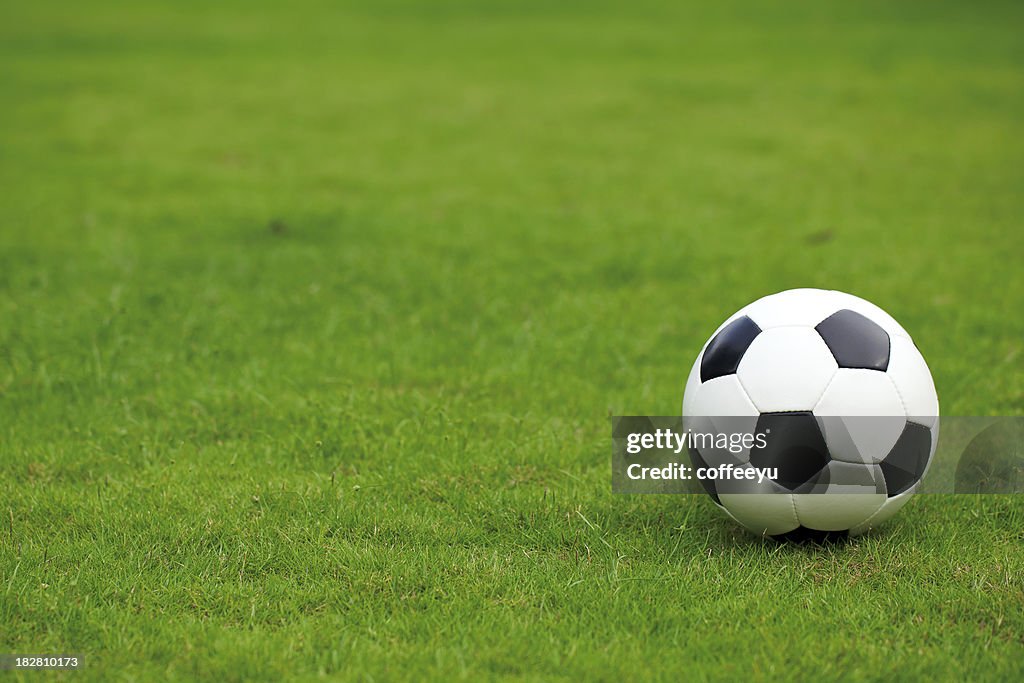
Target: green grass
[{"x": 311, "y": 320}]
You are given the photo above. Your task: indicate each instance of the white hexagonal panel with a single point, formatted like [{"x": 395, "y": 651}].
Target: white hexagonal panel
[
  {"x": 766, "y": 514},
  {"x": 861, "y": 415},
  {"x": 786, "y": 369},
  {"x": 913, "y": 381},
  {"x": 804, "y": 307},
  {"x": 836, "y": 511},
  {"x": 721, "y": 396},
  {"x": 889, "y": 508},
  {"x": 721, "y": 406}
]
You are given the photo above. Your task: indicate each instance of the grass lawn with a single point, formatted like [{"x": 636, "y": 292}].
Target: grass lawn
[{"x": 312, "y": 318}]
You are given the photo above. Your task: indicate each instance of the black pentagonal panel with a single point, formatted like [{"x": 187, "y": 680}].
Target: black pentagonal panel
[
  {"x": 723, "y": 354},
  {"x": 906, "y": 462},
  {"x": 794, "y": 444},
  {"x": 855, "y": 341},
  {"x": 817, "y": 483},
  {"x": 707, "y": 484}
]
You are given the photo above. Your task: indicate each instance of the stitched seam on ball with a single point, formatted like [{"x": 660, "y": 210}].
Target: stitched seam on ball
[
  {"x": 909, "y": 492},
  {"x": 796, "y": 515},
  {"x": 746, "y": 392},
  {"x": 899, "y": 394},
  {"x": 867, "y": 522},
  {"x": 822, "y": 394},
  {"x": 814, "y": 405},
  {"x": 906, "y": 408}
]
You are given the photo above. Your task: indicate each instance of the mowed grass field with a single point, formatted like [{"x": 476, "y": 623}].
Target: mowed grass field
[{"x": 312, "y": 318}]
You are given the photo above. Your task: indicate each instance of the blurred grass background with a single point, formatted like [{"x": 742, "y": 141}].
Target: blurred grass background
[{"x": 311, "y": 317}]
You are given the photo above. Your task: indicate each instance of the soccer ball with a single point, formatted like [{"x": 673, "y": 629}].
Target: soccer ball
[{"x": 848, "y": 395}]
